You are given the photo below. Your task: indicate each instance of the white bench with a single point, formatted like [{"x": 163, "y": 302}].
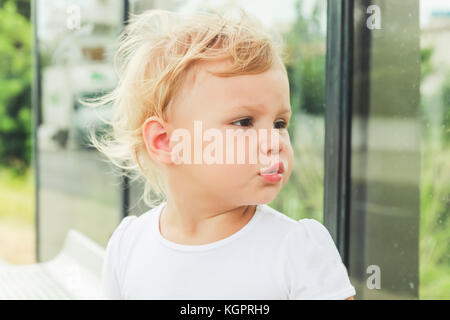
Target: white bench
[{"x": 75, "y": 273}]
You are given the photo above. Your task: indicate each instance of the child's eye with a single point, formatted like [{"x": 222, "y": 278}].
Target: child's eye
[
  {"x": 246, "y": 122},
  {"x": 282, "y": 124}
]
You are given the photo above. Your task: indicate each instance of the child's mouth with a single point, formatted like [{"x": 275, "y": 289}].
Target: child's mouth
[{"x": 273, "y": 173}]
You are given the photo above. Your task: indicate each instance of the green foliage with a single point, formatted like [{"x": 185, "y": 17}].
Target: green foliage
[
  {"x": 15, "y": 84},
  {"x": 434, "y": 222},
  {"x": 306, "y": 61},
  {"x": 446, "y": 113},
  {"x": 435, "y": 191},
  {"x": 425, "y": 61},
  {"x": 302, "y": 196}
]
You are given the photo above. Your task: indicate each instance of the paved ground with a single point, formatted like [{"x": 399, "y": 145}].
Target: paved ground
[{"x": 17, "y": 242}]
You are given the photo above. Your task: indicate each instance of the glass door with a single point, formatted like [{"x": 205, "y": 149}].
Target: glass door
[{"x": 75, "y": 187}]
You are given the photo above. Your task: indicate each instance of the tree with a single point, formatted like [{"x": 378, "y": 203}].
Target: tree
[
  {"x": 15, "y": 84},
  {"x": 305, "y": 47}
]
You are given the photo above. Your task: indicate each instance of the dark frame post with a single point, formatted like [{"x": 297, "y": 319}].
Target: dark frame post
[
  {"x": 36, "y": 112},
  {"x": 125, "y": 181},
  {"x": 338, "y": 118}
]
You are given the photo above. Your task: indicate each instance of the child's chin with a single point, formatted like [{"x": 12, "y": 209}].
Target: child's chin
[{"x": 266, "y": 196}]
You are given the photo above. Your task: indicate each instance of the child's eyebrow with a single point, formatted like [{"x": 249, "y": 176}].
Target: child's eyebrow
[
  {"x": 286, "y": 111},
  {"x": 256, "y": 108},
  {"x": 260, "y": 108}
]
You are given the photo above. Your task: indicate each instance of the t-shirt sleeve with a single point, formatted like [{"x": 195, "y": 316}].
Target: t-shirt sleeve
[
  {"x": 314, "y": 267},
  {"x": 110, "y": 281}
]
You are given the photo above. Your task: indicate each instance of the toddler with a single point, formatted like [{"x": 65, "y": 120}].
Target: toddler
[{"x": 189, "y": 86}]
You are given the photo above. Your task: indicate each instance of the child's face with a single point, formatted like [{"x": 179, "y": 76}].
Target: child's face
[{"x": 217, "y": 102}]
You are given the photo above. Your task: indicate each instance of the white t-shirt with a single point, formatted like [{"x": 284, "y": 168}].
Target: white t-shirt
[{"x": 272, "y": 257}]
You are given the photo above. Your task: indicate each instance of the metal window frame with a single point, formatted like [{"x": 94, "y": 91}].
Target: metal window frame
[
  {"x": 37, "y": 119},
  {"x": 125, "y": 181},
  {"x": 338, "y": 119}
]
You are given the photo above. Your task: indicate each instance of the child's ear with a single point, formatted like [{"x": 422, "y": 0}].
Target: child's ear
[{"x": 157, "y": 140}]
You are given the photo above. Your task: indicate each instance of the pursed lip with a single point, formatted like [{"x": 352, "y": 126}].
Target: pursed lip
[{"x": 276, "y": 168}]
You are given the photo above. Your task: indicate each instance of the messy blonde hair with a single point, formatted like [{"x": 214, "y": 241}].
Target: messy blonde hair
[{"x": 156, "y": 51}]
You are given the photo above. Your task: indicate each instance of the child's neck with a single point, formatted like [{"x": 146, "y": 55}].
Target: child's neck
[{"x": 196, "y": 226}]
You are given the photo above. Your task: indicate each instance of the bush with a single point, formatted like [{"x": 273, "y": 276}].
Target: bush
[{"x": 15, "y": 84}]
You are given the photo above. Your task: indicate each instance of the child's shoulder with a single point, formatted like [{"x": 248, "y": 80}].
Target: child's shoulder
[
  {"x": 306, "y": 229},
  {"x": 288, "y": 224},
  {"x": 129, "y": 226}
]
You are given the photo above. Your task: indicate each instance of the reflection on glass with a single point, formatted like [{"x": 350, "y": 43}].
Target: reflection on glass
[
  {"x": 385, "y": 159},
  {"x": 401, "y": 151}
]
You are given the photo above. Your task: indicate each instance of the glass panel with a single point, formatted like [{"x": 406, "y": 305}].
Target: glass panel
[
  {"x": 385, "y": 150},
  {"x": 76, "y": 188},
  {"x": 303, "y": 26},
  {"x": 400, "y": 150}
]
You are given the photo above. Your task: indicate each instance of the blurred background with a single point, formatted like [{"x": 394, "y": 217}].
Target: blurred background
[{"x": 54, "y": 52}]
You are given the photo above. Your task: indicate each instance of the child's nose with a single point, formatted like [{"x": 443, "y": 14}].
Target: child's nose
[{"x": 271, "y": 142}]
